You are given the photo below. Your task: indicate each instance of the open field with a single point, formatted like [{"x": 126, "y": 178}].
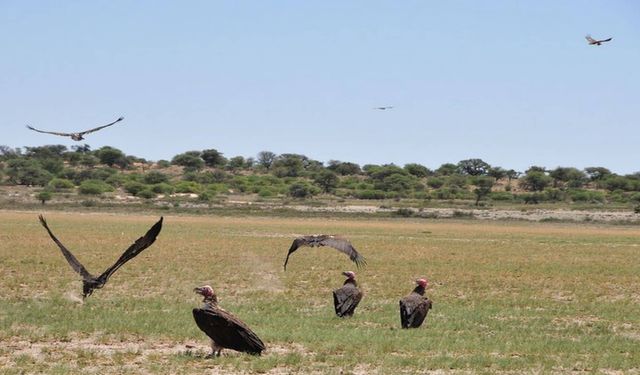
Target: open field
[{"x": 508, "y": 296}]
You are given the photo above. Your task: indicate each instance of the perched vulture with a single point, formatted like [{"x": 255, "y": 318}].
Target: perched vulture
[
  {"x": 415, "y": 306},
  {"x": 347, "y": 298},
  {"x": 384, "y": 107},
  {"x": 225, "y": 330},
  {"x": 90, "y": 282},
  {"x": 79, "y": 135},
  {"x": 317, "y": 240},
  {"x": 594, "y": 42}
]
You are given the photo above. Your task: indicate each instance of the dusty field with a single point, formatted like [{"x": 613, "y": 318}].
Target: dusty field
[{"x": 508, "y": 297}]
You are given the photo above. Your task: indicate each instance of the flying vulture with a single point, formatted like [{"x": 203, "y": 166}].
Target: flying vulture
[
  {"x": 225, "y": 330},
  {"x": 339, "y": 243},
  {"x": 415, "y": 306},
  {"x": 594, "y": 42},
  {"x": 347, "y": 298},
  {"x": 90, "y": 282},
  {"x": 384, "y": 108},
  {"x": 79, "y": 135}
]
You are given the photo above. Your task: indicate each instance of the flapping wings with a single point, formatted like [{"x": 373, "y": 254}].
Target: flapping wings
[
  {"x": 590, "y": 39},
  {"x": 47, "y": 132},
  {"x": 227, "y": 331},
  {"x": 73, "y": 262},
  {"x": 341, "y": 244},
  {"x": 136, "y": 248},
  {"x": 100, "y": 127}
]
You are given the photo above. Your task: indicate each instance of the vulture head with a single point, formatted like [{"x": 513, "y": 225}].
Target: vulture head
[
  {"x": 349, "y": 274},
  {"x": 422, "y": 282},
  {"x": 206, "y": 291}
]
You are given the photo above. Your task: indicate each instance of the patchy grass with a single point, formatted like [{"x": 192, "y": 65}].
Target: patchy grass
[{"x": 508, "y": 297}]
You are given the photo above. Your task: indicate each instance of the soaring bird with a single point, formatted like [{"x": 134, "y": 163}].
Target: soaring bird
[
  {"x": 316, "y": 240},
  {"x": 384, "y": 108},
  {"x": 347, "y": 298},
  {"x": 415, "y": 306},
  {"x": 79, "y": 135},
  {"x": 225, "y": 330},
  {"x": 594, "y": 42},
  {"x": 90, "y": 282}
]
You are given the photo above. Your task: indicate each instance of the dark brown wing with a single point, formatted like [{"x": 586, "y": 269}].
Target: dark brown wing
[
  {"x": 73, "y": 262},
  {"x": 228, "y": 331},
  {"x": 100, "y": 127},
  {"x": 343, "y": 245},
  {"x": 298, "y": 242},
  {"x": 46, "y": 132},
  {"x": 605, "y": 40},
  {"x": 413, "y": 310},
  {"x": 133, "y": 250},
  {"x": 346, "y": 299}
]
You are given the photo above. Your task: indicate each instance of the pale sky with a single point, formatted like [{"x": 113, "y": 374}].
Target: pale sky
[{"x": 511, "y": 82}]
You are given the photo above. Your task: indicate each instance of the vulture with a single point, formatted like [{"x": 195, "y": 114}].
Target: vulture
[
  {"x": 225, "y": 330},
  {"x": 316, "y": 240},
  {"x": 347, "y": 298},
  {"x": 79, "y": 135},
  {"x": 384, "y": 108},
  {"x": 594, "y": 42},
  {"x": 90, "y": 282},
  {"x": 415, "y": 306}
]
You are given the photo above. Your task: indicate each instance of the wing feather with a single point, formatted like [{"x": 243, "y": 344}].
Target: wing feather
[
  {"x": 101, "y": 127},
  {"x": 73, "y": 262},
  {"x": 136, "y": 248},
  {"x": 48, "y": 132},
  {"x": 343, "y": 245},
  {"x": 346, "y": 299},
  {"x": 298, "y": 242},
  {"x": 228, "y": 331}
]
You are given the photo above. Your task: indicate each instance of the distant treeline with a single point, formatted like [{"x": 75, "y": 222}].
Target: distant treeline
[{"x": 208, "y": 173}]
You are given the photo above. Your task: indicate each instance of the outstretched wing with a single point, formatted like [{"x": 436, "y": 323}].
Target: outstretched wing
[
  {"x": 343, "y": 245},
  {"x": 590, "y": 39},
  {"x": 606, "y": 40},
  {"x": 133, "y": 250},
  {"x": 73, "y": 262},
  {"x": 46, "y": 132},
  {"x": 228, "y": 331},
  {"x": 298, "y": 242},
  {"x": 100, "y": 127}
]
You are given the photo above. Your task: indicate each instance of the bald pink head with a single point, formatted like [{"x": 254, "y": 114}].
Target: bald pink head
[
  {"x": 349, "y": 274},
  {"x": 422, "y": 282},
  {"x": 205, "y": 291}
]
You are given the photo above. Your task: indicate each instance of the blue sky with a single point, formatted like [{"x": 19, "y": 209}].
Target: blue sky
[{"x": 511, "y": 82}]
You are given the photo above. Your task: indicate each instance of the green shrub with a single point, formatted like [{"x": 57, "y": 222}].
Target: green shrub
[
  {"x": 501, "y": 196},
  {"x": 302, "y": 189},
  {"x": 155, "y": 177},
  {"x": 162, "y": 188},
  {"x": 188, "y": 187},
  {"x": 60, "y": 183},
  {"x": 94, "y": 187},
  {"x": 370, "y": 194},
  {"x": 146, "y": 193},
  {"x": 134, "y": 187}
]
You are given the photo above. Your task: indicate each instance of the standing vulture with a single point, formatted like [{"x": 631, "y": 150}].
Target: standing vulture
[
  {"x": 593, "y": 42},
  {"x": 90, "y": 282},
  {"x": 415, "y": 306},
  {"x": 316, "y": 240},
  {"x": 79, "y": 135},
  {"x": 347, "y": 298},
  {"x": 225, "y": 330}
]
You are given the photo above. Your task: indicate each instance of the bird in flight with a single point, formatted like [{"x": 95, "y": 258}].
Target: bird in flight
[
  {"x": 384, "y": 108},
  {"x": 341, "y": 244},
  {"x": 594, "y": 42},
  {"x": 90, "y": 282},
  {"x": 79, "y": 135}
]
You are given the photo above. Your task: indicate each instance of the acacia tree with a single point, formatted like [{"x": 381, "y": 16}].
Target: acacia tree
[
  {"x": 483, "y": 187},
  {"x": 213, "y": 158},
  {"x": 327, "y": 180},
  {"x": 473, "y": 167},
  {"x": 265, "y": 159},
  {"x": 190, "y": 160}
]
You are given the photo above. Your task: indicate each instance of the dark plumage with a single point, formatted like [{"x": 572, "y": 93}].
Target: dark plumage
[
  {"x": 90, "y": 282},
  {"x": 414, "y": 307},
  {"x": 383, "y": 108},
  {"x": 76, "y": 136},
  {"x": 594, "y": 42},
  {"x": 347, "y": 298},
  {"x": 339, "y": 243},
  {"x": 225, "y": 330}
]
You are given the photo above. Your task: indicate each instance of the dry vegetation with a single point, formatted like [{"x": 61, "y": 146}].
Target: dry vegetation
[{"x": 508, "y": 297}]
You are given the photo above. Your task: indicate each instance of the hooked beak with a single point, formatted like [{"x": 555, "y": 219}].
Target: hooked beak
[{"x": 198, "y": 290}]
